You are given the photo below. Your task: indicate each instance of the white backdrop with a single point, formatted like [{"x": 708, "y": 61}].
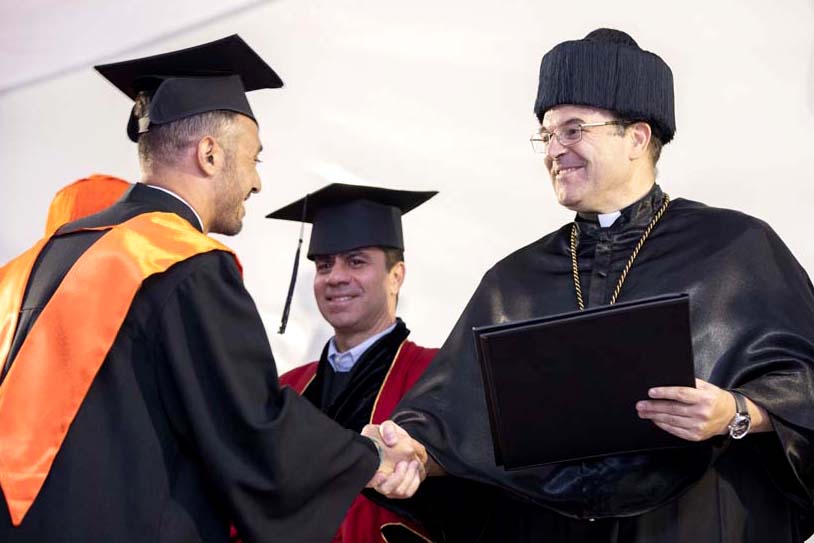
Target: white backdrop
[{"x": 416, "y": 95}]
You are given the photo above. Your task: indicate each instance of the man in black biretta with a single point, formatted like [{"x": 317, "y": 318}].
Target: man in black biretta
[
  {"x": 180, "y": 428},
  {"x": 357, "y": 246},
  {"x": 606, "y": 107}
]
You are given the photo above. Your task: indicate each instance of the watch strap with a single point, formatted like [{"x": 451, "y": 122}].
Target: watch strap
[
  {"x": 742, "y": 422},
  {"x": 740, "y": 403}
]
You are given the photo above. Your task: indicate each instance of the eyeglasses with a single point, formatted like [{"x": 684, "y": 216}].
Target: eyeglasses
[{"x": 568, "y": 134}]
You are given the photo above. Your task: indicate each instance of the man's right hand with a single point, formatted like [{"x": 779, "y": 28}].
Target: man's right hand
[{"x": 403, "y": 460}]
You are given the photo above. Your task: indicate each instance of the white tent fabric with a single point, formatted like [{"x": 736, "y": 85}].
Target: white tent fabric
[
  {"x": 417, "y": 95},
  {"x": 47, "y": 38}
]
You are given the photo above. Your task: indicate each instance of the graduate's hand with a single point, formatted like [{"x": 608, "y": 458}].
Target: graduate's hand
[
  {"x": 694, "y": 414},
  {"x": 402, "y": 466},
  {"x": 401, "y": 483}
]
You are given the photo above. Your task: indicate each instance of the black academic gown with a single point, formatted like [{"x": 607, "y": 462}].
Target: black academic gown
[
  {"x": 184, "y": 428},
  {"x": 349, "y": 397},
  {"x": 752, "y": 318}
]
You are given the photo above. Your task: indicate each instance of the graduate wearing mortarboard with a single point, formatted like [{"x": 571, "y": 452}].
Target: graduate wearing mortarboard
[
  {"x": 138, "y": 393},
  {"x": 357, "y": 246}
]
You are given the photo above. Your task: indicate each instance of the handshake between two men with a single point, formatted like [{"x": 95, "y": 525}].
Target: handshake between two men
[{"x": 404, "y": 462}]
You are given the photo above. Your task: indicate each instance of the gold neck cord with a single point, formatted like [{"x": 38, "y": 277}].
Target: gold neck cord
[{"x": 633, "y": 255}]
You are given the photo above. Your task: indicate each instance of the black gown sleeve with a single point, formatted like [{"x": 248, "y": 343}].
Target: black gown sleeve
[
  {"x": 284, "y": 471},
  {"x": 774, "y": 362}
]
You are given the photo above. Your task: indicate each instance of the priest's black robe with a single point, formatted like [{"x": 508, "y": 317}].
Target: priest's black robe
[
  {"x": 752, "y": 318},
  {"x": 184, "y": 428}
]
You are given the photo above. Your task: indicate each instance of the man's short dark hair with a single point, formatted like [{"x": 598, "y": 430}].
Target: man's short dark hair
[
  {"x": 392, "y": 257},
  {"x": 163, "y": 143}
]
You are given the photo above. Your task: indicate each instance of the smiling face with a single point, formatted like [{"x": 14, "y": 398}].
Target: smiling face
[
  {"x": 239, "y": 178},
  {"x": 593, "y": 174},
  {"x": 356, "y": 293}
]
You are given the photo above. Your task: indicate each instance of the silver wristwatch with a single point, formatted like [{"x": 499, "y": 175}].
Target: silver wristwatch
[{"x": 741, "y": 423}]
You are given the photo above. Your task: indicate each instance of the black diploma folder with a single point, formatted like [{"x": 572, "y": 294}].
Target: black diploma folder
[{"x": 565, "y": 387}]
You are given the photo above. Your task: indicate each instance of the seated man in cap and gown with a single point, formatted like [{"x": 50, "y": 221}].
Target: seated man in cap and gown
[
  {"x": 138, "y": 392},
  {"x": 746, "y": 473},
  {"x": 357, "y": 247}
]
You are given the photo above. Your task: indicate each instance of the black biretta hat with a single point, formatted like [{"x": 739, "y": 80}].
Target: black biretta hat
[
  {"x": 347, "y": 217},
  {"x": 210, "y": 77},
  {"x": 607, "y": 69}
]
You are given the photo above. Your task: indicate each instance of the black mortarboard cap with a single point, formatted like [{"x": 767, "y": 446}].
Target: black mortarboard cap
[
  {"x": 607, "y": 69},
  {"x": 210, "y": 77},
  {"x": 347, "y": 217}
]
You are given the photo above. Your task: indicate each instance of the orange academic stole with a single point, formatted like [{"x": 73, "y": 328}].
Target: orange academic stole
[{"x": 62, "y": 353}]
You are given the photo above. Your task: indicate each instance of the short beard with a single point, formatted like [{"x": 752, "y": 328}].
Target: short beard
[
  {"x": 228, "y": 202},
  {"x": 227, "y": 228}
]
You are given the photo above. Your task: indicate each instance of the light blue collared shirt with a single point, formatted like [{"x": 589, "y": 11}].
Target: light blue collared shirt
[{"x": 343, "y": 362}]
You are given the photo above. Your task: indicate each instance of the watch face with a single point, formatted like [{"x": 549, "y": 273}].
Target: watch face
[{"x": 739, "y": 426}]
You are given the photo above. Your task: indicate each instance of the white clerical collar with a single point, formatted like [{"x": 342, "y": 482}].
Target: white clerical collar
[
  {"x": 607, "y": 219},
  {"x": 171, "y": 193},
  {"x": 344, "y": 362}
]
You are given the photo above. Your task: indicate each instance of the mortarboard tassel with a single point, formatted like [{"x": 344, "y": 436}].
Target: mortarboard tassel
[{"x": 288, "y": 298}]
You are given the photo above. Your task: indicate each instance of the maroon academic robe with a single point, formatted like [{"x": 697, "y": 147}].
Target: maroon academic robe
[{"x": 401, "y": 363}]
